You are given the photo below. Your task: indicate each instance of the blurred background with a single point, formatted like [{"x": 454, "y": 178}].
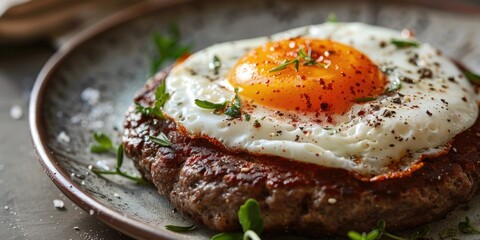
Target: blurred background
[{"x": 31, "y": 207}]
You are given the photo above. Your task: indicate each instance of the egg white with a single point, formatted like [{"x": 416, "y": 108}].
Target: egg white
[{"x": 432, "y": 110}]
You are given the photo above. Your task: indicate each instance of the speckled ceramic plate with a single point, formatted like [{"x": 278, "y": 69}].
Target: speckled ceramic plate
[{"x": 88, "y": 85}]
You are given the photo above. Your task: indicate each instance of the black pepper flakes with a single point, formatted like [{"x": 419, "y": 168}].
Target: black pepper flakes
[{"x": 429, "y": 113}]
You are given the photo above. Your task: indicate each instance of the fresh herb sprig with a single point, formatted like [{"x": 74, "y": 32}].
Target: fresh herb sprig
[
  {"x": 161, "y": 140},
  {"x": 395, "y": 86},
  {"x": 103, "y": 143},
  {"x": 161, "y": 97},
  {"x": 168, "y": 48},
  {"x": 230, "y": 108},
  {"x": 307, "y": 58},
  {"x": 403, "y": 43},
  {"x": 250, "y": 219},
  {"x": 379, "y": 231},
  {"x": 118, "y": 170}
]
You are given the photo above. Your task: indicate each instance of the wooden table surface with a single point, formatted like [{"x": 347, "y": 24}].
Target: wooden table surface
[{"x": 26, "y": 193}]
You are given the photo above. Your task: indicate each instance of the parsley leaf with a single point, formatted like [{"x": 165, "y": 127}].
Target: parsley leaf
[
  {"x": 401, "y": 43},
  {"x": 104, "y": 143},
  {"x": 180, "y": 229},
  {"x": 161, "y": 140},
  {"x": 168, "y": 48}
]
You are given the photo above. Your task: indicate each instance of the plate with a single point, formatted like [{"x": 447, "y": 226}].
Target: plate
[{"x": 90, "y": 82}]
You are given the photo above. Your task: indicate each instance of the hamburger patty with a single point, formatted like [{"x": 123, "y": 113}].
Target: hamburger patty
[{"x": 209, "y": 183}]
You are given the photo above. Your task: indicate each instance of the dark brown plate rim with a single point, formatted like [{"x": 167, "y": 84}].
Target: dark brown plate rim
[{"x": 58, "y": 174}]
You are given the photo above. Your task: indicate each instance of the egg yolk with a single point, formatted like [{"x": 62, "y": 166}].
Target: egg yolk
[{"x": 307, "y": 75}]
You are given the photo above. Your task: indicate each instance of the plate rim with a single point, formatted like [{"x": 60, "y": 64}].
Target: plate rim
[{"x": 58, "y": 175}]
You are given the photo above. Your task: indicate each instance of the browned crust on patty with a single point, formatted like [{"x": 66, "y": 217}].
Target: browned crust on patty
[{"x": 209, "y": 183}]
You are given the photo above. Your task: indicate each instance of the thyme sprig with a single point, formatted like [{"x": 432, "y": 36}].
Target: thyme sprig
[
  {"x": 103, "y": 143},
  {"x": 161, "y": 140},
  {"x": 307, "y": 61},
  {"x": 118, "y": 170}
]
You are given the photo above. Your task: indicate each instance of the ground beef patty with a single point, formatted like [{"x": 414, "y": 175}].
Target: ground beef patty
[{"x": 209, "y": 183}]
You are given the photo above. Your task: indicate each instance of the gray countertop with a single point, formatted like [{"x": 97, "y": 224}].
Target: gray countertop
[{"x": 26, "y": 193}]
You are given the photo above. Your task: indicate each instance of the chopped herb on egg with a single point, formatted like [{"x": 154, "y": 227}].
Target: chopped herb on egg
[
  {"x": 215, "y": 64},
  {"x": 307, "y": 58},
  {"x": 471, "y": 76},
  {"x": 365, "y": 99},
  {"x": 233, "y": 107},
  {"x": 447, "y": 233},
  {"x": 181, "y": 229},
  {"x": 230, "y": 108},
  {"x": 161, "y": 140},
  {"x": 402, "y": 43},
  {"x": 168, "y": 48},
  {"x": 247, "y": 117},
  {"x": 210, "y": 105}
]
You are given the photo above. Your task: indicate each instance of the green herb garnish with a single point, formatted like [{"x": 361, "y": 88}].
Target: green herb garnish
[
  {"x": 161, "y": 97},
  {"x": 210, "y": 105},
  {"x": 332, "y": 17},
  {"x": 401, "y": 43},
  {"x": 104, "y": 144},
  {"x": 250, "y": 218},
  {"x": 466, "y": 227},
  {"x": 307, "y": 58},
  {"x": 365, "y": 99},
  {"x": 233, "y": 107},
  {"x": 181, "y": 229},
  {"x": 379, "y": 231},
  {"x": 215, "y": 64},
  {"x": 230, "y": 108},
  {"x": 168, "y": 48},
  {"x": 247, "y": 117},
  {"x": 471, "y": 76},
  {"x": 118, "y": 167},
  {"x": 161, "y": 140}
]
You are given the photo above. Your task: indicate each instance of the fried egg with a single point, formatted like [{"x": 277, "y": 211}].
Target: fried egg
[{"x": 340, "y": 95}]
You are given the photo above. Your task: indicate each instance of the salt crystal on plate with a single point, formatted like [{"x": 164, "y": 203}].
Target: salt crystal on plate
[
  {"x": 63, "y": 137},
  {"x": 59, "y": 204},
  {"x": 90, "y": 95},
  {"x": 16, "y": 112}
]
